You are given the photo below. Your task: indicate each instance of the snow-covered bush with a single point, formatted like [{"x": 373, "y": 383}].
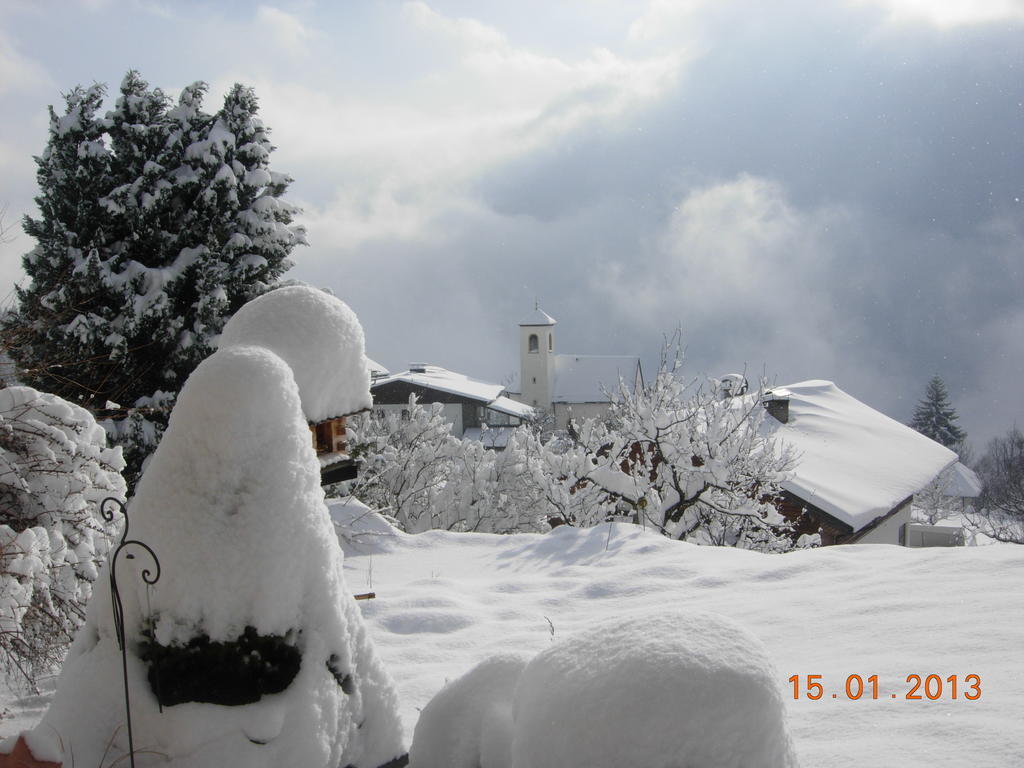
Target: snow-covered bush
[
  {"x": 231, "y": 504},
  {"x": 55, "y": 469},
  {"x": 414, "y": 470},
  {"x": 157, "y": 222},
  {"x": 685, "y": 458},
  {"x": 468, "y": 722},
  {"x": 666, "y": 689},
  {"x": 1000, "y": 513}
]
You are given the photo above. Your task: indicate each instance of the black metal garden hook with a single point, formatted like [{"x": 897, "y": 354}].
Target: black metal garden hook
[{"x": 150, "y": 577}]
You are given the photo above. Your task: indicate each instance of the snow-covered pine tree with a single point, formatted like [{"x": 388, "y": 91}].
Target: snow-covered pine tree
[
  {"x": 934, "y": 416},
  {"x": 157, "y": 222}
]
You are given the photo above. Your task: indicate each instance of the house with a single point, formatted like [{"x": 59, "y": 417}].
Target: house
[
  {"x": 856, "y": 470},
  {"x": 567, "y": 385},
  {"x": 468, "y": 404}
]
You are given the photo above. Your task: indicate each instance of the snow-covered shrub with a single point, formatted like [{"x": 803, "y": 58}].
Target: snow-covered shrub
[
  {"x": 1000, "y": 513},
  {"x": 664, "y": 689},
  {"x": 685, "y": 458},
  {"x": 231, "y": 504},
  {"x": 668, "y": 689},
  {"x": 467, "y": 724},
  {"x": 414, "y": 470},
  {"x": 55, "y": 469},
  {"x": 319, "y": 337}
]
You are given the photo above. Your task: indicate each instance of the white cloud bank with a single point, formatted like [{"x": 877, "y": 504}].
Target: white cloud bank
[
  {"x": 399, "y": 164},
  {"x": 946, "y": 14},
  {"x": 737, "y": 258}
]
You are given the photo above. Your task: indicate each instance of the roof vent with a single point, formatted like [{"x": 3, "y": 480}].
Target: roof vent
[
  {"x": 733, "y": 385},
  {"x": 417, "y": 367},
  {"x": 776, "y": 402}
]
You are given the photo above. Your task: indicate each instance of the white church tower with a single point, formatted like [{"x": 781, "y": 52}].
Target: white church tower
[{"x": 537, "y": 358}]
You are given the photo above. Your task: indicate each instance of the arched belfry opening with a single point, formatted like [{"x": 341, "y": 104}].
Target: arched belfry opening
[{"x": 534, "y": 343}]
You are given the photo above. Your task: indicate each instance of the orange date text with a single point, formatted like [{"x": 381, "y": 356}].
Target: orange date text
[{"x": 916, "y": 688}]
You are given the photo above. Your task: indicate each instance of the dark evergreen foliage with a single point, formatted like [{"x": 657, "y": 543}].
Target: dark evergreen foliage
[
  {"x": 232, "y": 673},
  {"x": 935, "y": 417},
  {"x": 156, "y": 223}
]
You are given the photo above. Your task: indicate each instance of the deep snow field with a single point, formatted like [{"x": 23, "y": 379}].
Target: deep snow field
[{"x": 445, "y": 601}]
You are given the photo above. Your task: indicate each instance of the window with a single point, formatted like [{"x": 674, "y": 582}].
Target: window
[
  {"x": 494, "y": 418},
  {"x": 551, "y": 343},
  {"x": 534, "y": 343}
]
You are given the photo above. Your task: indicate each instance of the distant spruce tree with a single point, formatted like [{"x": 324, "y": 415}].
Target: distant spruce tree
[
  {"x": 934, "y": 417},
  {"x": 156, "y": 223}
]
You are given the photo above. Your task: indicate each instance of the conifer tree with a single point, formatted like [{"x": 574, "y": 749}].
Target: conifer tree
[
  {"x": 157, "y": 221},
  {"x": 934, "y": 416}
]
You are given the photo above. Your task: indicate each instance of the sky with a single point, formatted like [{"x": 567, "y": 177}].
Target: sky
[{"x": 806, "y": 188}]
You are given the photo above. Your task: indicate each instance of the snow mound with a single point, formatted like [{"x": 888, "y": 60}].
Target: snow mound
[
  {"x": 319, "y": 337},
  {"x": 231, "y": 504},
  {"x": 679, "y": 689},
  {"x": 687, "y": 688},
  {"x": 468, "y": 723}
]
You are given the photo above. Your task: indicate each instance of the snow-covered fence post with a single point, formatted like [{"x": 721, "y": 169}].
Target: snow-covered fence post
[{"x": 150, "y": 578}]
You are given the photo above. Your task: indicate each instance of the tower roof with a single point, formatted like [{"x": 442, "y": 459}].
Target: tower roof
[{"x": 538, "y": 317}]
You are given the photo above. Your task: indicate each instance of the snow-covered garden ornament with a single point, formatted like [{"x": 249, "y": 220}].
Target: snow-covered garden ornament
[{"x": 262, "y": 653}]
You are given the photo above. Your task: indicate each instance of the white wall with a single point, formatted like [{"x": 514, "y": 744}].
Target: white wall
[
  {"x": 889, "y": 531},
  {"x": 578, "y": 411}
]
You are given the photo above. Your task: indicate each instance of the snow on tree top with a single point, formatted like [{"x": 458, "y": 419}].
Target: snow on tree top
[
  {"x": 229, "y": 489},
  {"x": 319, "y": 337},
  {"x": 852, "y": 461}
]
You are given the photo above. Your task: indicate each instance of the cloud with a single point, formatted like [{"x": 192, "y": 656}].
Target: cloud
[
  {"x": 19, "y": 72},
  {"x": 287, "y": 30},
  {"x": 947, "y": 14},
  {"x": 399, "y": 163},
  {"x": 676, "y": 20},
  {"x": 737, "y": 260}
]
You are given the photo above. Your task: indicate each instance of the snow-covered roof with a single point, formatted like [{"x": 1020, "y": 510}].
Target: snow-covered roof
[
  {"x": 590, "y": 378},
  {"x": 511, "y": 407},
  {"x": 964, "y": 482},
  {"x": 443, "y": 380},
  {"x": 853, "y": 462},
  {"x": 538, "y": 317},
  {"x": 376, "y": 369}
]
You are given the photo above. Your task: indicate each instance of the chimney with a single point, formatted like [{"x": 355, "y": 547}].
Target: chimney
[
  {"x": 776, "y": 402},
  {"x": 733, "y": 385}
]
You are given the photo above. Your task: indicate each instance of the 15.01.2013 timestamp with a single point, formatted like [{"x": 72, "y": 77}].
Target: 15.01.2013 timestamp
[{"x": 919, "y": 687}]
